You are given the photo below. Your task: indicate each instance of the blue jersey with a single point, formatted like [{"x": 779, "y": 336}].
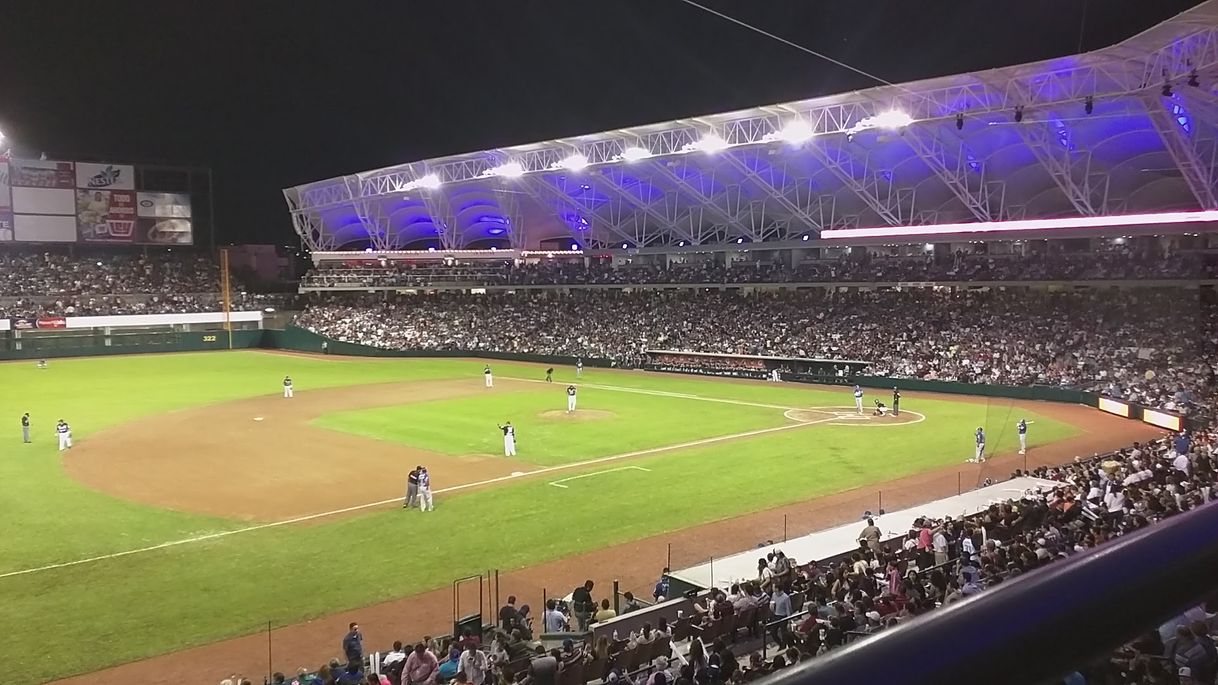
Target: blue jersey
[
  {"x": 1023, "y": 427},
  {"x": 980, "y": 437},
  {"x": 858, "y": 392},
  {"x": 424, "y": 480}
]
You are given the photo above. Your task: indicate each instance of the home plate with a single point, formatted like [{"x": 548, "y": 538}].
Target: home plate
[{"x": 257, "y": 418}]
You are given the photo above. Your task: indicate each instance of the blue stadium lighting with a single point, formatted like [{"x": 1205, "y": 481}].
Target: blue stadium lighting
[
  {"x": 1181, "y": 116},
  {"x": 574, "y": 247}
]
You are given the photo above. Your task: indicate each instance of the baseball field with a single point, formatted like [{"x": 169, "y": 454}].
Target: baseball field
[{"x": 198, "y": 504}]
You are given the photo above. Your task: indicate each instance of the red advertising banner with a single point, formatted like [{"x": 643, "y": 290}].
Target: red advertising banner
[
  {"x": 52, "y": 322},
  {"x": 34, "y": 173},
  {"x": 105, "y": 216}
]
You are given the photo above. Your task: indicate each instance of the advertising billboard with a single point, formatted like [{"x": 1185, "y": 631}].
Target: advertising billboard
[
  {"x": 164, "y": 205},
  {"x": 40, "y": 173},
  {"x": 105, "y": 216},
  {"x": 6, "y": 195},
  {"x": 105, "y": 176}
]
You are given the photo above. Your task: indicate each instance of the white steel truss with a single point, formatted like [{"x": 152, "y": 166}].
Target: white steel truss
[
  {"x": 1192, "y": 150},
  {"x": 961, "y": 170}
]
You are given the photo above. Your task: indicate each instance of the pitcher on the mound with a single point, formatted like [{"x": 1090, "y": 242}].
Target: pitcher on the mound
[
  {"x": 509, "y": 439},
  {"x": 570, "y": 398}
]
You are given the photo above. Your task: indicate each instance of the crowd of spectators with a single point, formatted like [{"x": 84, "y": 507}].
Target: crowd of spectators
[
  {"x": 1148, "y": 346},
  {"x": 110, "y": 273},
  {"x": 58, "y": 283},
  {"x": 864, "y": 267}
]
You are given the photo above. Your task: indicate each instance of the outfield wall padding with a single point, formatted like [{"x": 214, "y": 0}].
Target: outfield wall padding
[{"x": 93, "y": 343}]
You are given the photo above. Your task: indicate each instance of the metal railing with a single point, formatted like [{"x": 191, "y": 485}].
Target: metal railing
[{"x": 1043, "y": 625}]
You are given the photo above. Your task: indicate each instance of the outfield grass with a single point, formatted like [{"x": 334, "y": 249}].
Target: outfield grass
[{"x": 146, "y": 604}]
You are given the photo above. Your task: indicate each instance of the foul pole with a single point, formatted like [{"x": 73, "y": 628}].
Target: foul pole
[{"x": 226, "y": 294}]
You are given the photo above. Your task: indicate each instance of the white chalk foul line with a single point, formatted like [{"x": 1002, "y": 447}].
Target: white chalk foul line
[
  {"x": 664, "y": 393},
  {"x": 396, "y": 500},
  {"x": 559, "y": 483}
]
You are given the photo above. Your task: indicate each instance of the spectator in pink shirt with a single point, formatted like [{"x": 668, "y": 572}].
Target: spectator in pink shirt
[{"x": 421, "y": 667}]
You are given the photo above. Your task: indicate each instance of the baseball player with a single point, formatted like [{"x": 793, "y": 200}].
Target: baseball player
[
  {"x": 64, "y": 431},
  {"x": 42, "y": 363},
  {"x": 858, "y": 399},
  {"x": 1022, "y": 428},
  {"x": 880, "y": 409},
  {"x": 579, "y": 367},
  {"x": 509, "y": 439},
  {"x": 550, "y": 375},
  {"x": 570, "y": 398},
  {"x": 486, "y": 375},
  {"x": 979, "y": 437},
  {"x": 896, "y": 401},
  {"x": 287, "y": 386},
  {"x": 25, "y": 427},
  {"x": 412, "y": 488},
  {"x": 425, "y": 490}
]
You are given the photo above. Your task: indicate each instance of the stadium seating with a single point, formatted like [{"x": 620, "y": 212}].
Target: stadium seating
[
  {"x": 864, "y": 267},
  {"x": 1132, "y": 344}
]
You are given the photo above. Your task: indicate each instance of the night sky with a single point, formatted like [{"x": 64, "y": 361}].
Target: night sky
[{"x": 271, "y": 94}]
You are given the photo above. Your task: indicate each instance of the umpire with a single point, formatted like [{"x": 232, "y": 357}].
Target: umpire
[
  {"x": 412, "y": 488},
  {"x": 896, "y": 401}
]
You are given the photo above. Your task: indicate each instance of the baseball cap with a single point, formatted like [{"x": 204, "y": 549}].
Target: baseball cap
[{"x": 1185, "y": 672}]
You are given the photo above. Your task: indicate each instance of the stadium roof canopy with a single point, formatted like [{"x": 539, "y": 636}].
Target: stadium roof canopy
[{"x": 1126, "y": 129}]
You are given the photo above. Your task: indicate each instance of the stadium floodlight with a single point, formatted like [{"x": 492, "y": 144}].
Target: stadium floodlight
[
  {"x": 805, "y": 238},
  {"x": 711, "y": 143},
  {"x": 574, "y": 247},
  {"x": 892, "y": 119},
  {"x": 575, "y": 162},
  {"x": 796, "y": 132},
  {"x": 634, "y": 153},
  {"x": 509, "y": 170},
  {"x": 429, "y": 181}
]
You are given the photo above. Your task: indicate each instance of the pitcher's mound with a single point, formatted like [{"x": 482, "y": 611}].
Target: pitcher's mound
[{"x": 577, "y": 415}]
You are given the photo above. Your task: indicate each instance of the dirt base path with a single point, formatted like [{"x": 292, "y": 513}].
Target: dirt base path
[
  {"x": 224, "y": 459},
  {"x": 636, "y": 564}
]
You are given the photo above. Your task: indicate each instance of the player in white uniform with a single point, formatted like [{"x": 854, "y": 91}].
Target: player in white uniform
[
  {"x": 1022, "y": 428},
  {"x": 509, "y": 439},
  {"x": 579, "y": 368},
  {"x": 424, "y": 496},
  {"x": 486, "y": 374},
  {"x": 570, "y": 398},
  {"x": 64, "y": 431},
  {"x": 287, "y": 386},
  {"x": 858, "y": 399}
]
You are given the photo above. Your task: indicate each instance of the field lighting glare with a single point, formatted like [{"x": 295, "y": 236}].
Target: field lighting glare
[
  {"x": 509, "y": 170},
  {"x": 796, "y": 132},
  {"x": 575, "y": 162},
  {"x": 430, "y": 182},
  {"x": 635, "y": 153},
  {"x": 892, "y": 119},
  {"x": 711, "y": 143}
]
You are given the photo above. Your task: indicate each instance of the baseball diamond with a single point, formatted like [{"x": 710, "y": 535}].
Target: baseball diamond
[{"x": 916, "y": 368}]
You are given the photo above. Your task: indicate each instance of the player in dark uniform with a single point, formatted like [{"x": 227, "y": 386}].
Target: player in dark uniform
[
  {"x": 896, "y": 401},
  {"x": 412, "y": 488},
  {"x": 550, "y": 375},
  {"x": 880, "y": 409}
]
